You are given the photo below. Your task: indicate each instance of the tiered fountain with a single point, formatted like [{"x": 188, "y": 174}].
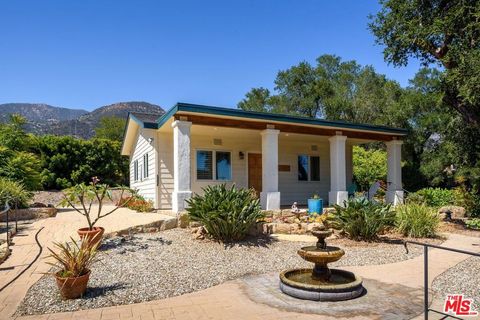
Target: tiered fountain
[{"x": 321, "y": 283}]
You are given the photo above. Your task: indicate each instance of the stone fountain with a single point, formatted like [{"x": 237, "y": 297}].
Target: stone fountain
[{"x": 321, "y": 283}]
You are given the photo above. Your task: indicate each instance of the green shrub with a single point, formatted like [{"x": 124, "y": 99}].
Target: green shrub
[
  {"x": 20, "y": 166},
  {"x": 417, "y": 220},
  {"x": 226, "y": 213},
  {"x": 68, "y": 161},
  {"x": 13, "y": 192},
  {"x": 433, "y": 197},
  {"x": 361, "y": 219},
  {"x": 473, "y": 223},
  {"x": 469, "y": 200}
]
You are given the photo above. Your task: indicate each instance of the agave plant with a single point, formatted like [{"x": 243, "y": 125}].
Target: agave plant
[
  {"x": 73, "y": 259},
  {"x": 361, "y": 219},
  {"x": 226, "y": 213}
]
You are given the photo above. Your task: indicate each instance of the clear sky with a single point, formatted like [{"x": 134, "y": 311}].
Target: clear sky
[{"x": 89, "y": 53}]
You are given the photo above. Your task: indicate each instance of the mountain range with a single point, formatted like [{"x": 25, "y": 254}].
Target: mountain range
[{"x": 47, "y": 119}]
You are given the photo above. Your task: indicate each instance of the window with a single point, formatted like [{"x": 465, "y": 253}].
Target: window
[
  {"x": 308, "y": 168},
  {"x": 204, "y": 165},
  {"x": 145, "y": 165},
  {"x": 314, "y": 168},
  {"x": 223, "y": 165},
  {"x": 222, "y": 161},
  {"x": 135, "y": 170},
  {"x": 303, "y": 168}
]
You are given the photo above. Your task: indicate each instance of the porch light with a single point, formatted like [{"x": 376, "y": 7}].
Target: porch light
[{"x": 241, "y": 155}]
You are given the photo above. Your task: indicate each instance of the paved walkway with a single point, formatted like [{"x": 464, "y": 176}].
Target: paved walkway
[
  {"x": 225, "y": 301},
  {"x": 59, "y": 228}
]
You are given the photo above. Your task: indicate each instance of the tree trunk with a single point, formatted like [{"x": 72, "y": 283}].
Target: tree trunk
[{"x": 468, "y": 112}]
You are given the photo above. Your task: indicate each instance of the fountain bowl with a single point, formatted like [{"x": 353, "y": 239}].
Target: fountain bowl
[
  {"x": 342, "y": 285},
  {"x": 322, "y": 256}
]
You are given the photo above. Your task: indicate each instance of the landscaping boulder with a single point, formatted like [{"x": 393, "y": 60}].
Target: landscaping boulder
[
  {"x": 183, "y": 220},
  {"x": 281, "y": 228},
  {"x": 456, "y": 212},
  {"x": 199, "y": 233}
]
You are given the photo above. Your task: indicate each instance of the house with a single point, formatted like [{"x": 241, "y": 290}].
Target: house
[{"x": 284, "y": 158}]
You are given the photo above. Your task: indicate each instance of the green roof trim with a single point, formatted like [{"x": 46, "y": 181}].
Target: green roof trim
[{"x": 196, "y": 108}]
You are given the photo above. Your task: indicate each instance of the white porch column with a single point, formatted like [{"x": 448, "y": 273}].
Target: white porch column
[
  {"x": 394, "y": 174},
  {"x": 181, "y": 165},
  {"x": 270, "y": 197},
  {"x": 338, "y": 190}
]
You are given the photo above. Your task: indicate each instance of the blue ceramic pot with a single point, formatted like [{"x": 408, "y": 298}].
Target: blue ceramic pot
[{"x": 315, "y": 206}]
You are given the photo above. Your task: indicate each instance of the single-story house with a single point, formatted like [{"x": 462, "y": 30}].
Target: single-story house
[{"x": 284, "y": 158}]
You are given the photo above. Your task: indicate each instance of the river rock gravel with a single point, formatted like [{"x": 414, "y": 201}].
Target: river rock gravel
[
  {"x": 461, "y": 279},
  {"x": 145, "y": 267}
]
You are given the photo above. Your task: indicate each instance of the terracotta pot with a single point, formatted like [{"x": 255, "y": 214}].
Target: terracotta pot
[
  {"x": 72, "y": 288},
  {"x": 94, "y": 236}
]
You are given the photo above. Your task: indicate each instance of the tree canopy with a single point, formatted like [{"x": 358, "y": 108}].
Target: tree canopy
[
  {"x": 332, "y": 89},
  {"x": 359, "y": 94},
  {"x": 441, "y": 32},
  {"x": 110, "y": 128},
  {"x": 57, "y": 162}
]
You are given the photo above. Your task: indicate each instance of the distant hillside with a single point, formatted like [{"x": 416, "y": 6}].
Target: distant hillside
[
  {"x": 85, "y": 125},
  {"x": 46, "y": 119},
  {"x": 40, "y": 116}
]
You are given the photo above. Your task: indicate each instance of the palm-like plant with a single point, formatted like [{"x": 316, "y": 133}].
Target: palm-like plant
[
  {"x": 73, "y": 259},
  {"x": 226, "y": 213},
  {"x": 361, "y": 219}
]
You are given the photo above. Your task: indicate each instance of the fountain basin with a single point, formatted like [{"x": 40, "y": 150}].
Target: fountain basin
[{"x": 342, "y": 285}]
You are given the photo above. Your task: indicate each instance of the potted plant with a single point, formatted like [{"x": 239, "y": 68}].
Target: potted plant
[
  {"x": 81, "y": 198},
  {"x": 315, "y": 205},
  {"x": 74, "y": 261}
]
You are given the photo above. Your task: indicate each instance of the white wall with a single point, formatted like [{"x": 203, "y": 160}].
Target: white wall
[
  {"x": 146, "y": 186},
  {"x": 165, "y": 169},
  {"x": 291, "y": 189},
  {"x": 239, "y": 167},
  {"x": 289, "y": 148}
]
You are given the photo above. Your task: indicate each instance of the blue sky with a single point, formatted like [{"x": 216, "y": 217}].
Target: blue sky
[{"x": 89, "y": 53}]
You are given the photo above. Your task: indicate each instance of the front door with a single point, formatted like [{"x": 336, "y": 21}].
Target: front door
[{"x": 255, "y": 172}]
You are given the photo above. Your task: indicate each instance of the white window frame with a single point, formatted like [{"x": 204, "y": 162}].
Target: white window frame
[
  {"x": 214, "y": 165},
  {"x": 145, "y": 165},
  {"x": 309, "y": 173},
  {"x": 135, "y": 170}
]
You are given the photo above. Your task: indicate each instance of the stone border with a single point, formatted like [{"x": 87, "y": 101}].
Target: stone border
[
  {"x": 4, "y": 252},
  {"x": 29, "y": 214},
  {"x": 160, "y": 225}
]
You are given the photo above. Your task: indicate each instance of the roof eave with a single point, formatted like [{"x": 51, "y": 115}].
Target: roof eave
[{"x": 186, "y": 107}]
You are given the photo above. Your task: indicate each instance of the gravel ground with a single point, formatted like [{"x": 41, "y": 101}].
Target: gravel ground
[
  {"x": 54, "y": 197},
  {"x": 461, "y": 279},
  {"x": 170, "y": 263}
]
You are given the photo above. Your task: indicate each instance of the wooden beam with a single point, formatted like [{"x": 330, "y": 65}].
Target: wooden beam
[{"x": 289, "y": 128}]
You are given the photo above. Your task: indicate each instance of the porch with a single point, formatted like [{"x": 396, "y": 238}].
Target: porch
[{"x": 283, "y": 167}]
